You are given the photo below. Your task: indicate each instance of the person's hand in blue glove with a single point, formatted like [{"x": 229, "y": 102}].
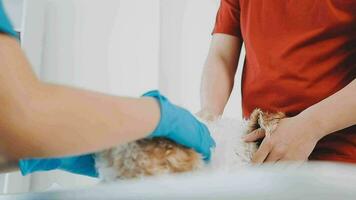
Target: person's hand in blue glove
[
  {"x": 181, "y": 126},
  {"x": 175, "y": 123}
]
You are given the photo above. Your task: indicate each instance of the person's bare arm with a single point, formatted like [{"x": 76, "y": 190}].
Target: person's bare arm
[
  {"x": 44, "y": 120},
  {"x": 333, "y": 113},
  {"x": 219, "y": 73}
]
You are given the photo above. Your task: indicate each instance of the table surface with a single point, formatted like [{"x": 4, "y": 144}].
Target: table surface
[{"x": 310, "y": 181}]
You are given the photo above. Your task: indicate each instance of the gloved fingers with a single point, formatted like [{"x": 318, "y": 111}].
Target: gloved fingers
[
  {"x": 207, "y": 142},
  {"x": 206, "y": 131},
  {"x": 203, "y": 130}
]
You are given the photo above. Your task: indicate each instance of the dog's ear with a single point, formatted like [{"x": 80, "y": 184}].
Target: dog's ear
[
  {"x": 269, "y": 122},
  {"x": 253, "y": 122},
  {"x": 266, "y": 121}
]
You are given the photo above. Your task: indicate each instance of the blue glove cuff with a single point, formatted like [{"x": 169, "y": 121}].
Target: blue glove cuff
[
  {"x": 163, "y": 101},
  {"x": 84, "y": 165},
  {"x": 29, "y": 166}
]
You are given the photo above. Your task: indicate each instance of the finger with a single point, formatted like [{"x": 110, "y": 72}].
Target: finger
[
  {"x": 207, "y": 142},
  {"x": 262, "y": 152},
  {"x": 274, "y": 156},
  {"x": 254, "y": 135},
  {"x": 210, "y": 139}
]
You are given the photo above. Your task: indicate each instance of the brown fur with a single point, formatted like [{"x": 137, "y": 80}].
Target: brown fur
[
  {"x": 265, "y": 121},
  {"x": 151, "y": 157}
]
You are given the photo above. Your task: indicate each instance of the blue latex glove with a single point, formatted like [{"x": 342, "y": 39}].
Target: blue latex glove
[
  {"x": 84, "y": 165},
  {"x": 182, "y": 127}
]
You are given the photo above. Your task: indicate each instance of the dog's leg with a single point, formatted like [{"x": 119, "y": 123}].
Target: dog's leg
[{"x": 253, "y": 122}]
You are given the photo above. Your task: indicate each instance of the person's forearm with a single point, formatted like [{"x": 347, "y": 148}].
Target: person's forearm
[
  {"x": 333, "y": 113},
  {"x": 216, "y": 87},
  {"x": 83, "y": 121},
  {"x": 219, "y": 73},
  {"x": 43, "y": 120}
]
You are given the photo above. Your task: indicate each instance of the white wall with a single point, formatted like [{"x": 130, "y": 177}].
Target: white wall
[
  {"x": 133, "y": 54},
  {"x": 33, "y": 32},
  {"x": 14, "y": 9},
  {"x": 186, "y": 27},
  {"x": 121, "y": 47}
]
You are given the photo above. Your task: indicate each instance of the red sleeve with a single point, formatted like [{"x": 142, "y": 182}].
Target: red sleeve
[{"x": 228, "y": 18}]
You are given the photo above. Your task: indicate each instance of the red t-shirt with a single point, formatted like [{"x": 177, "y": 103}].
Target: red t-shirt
[{"x": 298, "y": 52}]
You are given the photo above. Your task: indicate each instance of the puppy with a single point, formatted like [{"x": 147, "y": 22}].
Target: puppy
[{"x": 157, "y": 156}]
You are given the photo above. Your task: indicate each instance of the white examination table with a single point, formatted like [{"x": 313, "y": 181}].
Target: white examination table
[{"x": 312, "y": 181}]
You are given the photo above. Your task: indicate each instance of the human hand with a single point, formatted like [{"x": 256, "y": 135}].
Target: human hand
[
  {"x": 83, "y": 165},
  {"x": 293, "y": 140},
  {"x": 181, "y": 126}
]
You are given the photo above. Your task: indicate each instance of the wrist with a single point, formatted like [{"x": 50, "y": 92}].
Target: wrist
[
  {"x": 309, "y": 121},
  {"x": 162, "y": 126},
  {"x": 208, "y": 115}
]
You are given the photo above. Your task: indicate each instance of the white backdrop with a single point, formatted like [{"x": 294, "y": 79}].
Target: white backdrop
[
  {"x": 120, "y": 47},
  {"x": 186, "y": 27}
]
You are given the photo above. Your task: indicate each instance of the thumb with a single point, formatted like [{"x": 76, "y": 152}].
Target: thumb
[{"x": 254, "y": 135}]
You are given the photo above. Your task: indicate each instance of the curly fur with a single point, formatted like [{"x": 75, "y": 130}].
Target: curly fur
[
  {"x": 146, "y": 157},
  {"x": 157, "y": 156}
]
